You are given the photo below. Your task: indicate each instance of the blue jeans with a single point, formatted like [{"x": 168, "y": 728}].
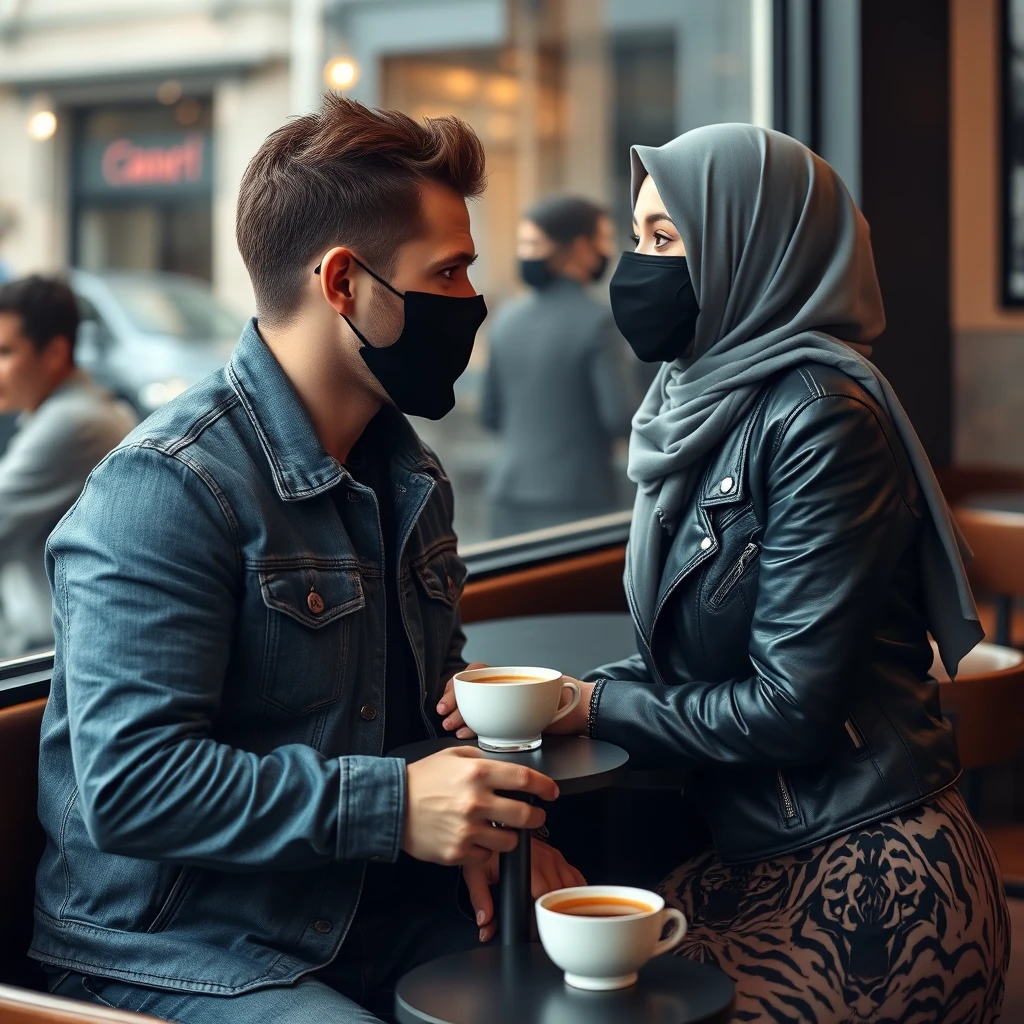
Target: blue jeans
[{"x": 395, "y": 930}]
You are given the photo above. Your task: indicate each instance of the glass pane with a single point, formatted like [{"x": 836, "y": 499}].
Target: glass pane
[
  {"x": 558, "y": 96},
  {"x": 174, "y": 308}
]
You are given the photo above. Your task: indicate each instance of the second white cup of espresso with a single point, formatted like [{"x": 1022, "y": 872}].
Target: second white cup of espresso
[
  {"x": 509, "y": 707},
  {"x": 601, "y": 935}
]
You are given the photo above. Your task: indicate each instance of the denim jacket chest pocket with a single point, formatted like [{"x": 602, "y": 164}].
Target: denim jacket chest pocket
[
  {"x": 441, "y": 578},
  {"x": 310, "y": 613}
]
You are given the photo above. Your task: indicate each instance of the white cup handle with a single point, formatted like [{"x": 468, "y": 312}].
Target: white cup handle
[
  {"x": 675, "y": 936},
  {"x": 568, "y": 684}
]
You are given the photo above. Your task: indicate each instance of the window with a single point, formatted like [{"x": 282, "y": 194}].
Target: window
[{"x": 558, "y": 91}]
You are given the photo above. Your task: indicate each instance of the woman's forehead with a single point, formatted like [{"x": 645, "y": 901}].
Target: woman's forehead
[{"x": 649, "y": 204}]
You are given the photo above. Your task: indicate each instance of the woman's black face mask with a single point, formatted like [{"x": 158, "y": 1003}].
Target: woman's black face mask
[
  {"x": 654, "y": 305},
  {"x": 419, "y": 370}
]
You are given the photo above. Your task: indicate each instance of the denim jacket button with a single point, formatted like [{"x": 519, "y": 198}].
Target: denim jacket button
[
  {"x": 354, "y": 496},
  {"x": 323, "y": 927},
  {"x": 368, "y": 712},
  {"x": 314, "y": 602}
]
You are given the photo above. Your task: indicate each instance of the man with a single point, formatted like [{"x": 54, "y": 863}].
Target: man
[
  {"x": 66, "y": 426},
  {"x": 257, "y": 598},
  {"x": 556, "y": 388}
]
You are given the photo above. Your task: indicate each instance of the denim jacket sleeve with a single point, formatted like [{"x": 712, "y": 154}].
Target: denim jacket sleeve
[{"x": 144, "y": 571}]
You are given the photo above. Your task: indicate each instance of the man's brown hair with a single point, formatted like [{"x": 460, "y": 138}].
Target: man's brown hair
[{"x": 350, "y": 176}]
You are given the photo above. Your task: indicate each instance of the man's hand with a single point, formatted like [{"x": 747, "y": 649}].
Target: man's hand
[
  {"x": 447, "y": 706},
  {"x": 451, "y": 803},
  {"x": 550, "y": 871}
]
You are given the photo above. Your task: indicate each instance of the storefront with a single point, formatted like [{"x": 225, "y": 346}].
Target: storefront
[{"x": 142, "y": 188}]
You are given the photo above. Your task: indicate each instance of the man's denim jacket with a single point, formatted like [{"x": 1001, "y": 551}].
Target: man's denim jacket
[{"x": 211, "y": 778}]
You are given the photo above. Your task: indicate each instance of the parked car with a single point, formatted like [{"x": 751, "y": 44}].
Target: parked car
[{"x": 149, "y": 336}]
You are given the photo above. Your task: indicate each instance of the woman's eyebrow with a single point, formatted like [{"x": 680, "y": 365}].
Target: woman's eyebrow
[{"x": 653, "y": 218}]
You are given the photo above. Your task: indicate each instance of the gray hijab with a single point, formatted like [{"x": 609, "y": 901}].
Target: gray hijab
[{"x": 781, "y": 264}]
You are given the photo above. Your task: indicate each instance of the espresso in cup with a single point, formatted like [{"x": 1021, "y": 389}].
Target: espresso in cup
[
  {"x": 601, "y": 935},
  {"x": 601, "y": 906},
  {"x": 509, "y": 708}
]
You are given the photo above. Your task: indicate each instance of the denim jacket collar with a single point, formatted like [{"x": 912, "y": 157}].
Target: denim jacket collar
[{"x": 300, "y": 466}]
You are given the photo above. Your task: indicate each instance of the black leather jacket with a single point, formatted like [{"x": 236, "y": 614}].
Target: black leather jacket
[{"x": 787, "y": 667}]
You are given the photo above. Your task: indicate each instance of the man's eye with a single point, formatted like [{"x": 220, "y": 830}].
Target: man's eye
[{"x": 449, "y": 273}]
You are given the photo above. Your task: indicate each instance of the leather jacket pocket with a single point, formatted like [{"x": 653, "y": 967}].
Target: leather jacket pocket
[
  {"x": 787, "y": 801},
  {"x": 309, "y": 627},
  {"x": 748, "y": 557}
]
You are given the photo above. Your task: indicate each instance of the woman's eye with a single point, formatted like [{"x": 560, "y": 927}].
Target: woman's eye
[
  {"x": 636, "y": 239},
  {"x": 660, "y": 240}
]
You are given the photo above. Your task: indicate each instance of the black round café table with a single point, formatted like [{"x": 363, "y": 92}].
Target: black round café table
[
  {"x": 515, "y": 981},
  {"x": 520, "y": 985}
]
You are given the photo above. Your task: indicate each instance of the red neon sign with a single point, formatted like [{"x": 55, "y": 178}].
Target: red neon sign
[{"x": 126, "y": 164}]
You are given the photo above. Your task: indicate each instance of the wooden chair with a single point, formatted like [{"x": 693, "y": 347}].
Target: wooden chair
[
  {"x": 19, "y": 1006},
  {"x": 986, "y": 706},
  {"x": 997, "y": 569},
  {"x": 959, "y": 483},
  {"x": 22, "y": 843}
]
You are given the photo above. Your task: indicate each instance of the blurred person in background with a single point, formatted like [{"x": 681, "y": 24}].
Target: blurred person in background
[
  {"x": 66, "y": 426},
  {"x": 556, "y": 385}
]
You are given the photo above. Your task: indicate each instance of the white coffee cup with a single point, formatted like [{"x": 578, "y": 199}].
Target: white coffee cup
[
  {"x": 601, "y": 953},
  {"x": 509, "y": 707}
]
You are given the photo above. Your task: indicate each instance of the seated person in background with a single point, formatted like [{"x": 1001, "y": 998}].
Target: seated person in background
[
  {"x": 67, "y": 425},
  {"x": 257, "y": 598},
  {"x": 555, "y": 387}
]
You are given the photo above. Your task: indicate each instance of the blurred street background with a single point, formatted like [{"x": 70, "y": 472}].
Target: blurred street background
[{"x": 125, "y": 128}]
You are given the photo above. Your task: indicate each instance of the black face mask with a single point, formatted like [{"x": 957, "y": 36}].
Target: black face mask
[
  {"x": 536, "y": 273},
  {"x": 419, "y": 369},
  {"x": 654, "y": 305}
]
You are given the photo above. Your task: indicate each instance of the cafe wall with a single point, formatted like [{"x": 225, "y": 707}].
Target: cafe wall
[{"x": 988, "y": 339}]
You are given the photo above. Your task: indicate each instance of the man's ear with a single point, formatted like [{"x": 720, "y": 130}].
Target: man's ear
[
  {"x": 57, "y": 356},
  {"x": 338, "y": 280}
]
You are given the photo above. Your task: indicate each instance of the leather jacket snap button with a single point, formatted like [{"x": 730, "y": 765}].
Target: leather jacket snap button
[
  {"x": 727, "y": 484},
  {"x": 705, "y": 544},
  {"x": 368, "y": 712},
  {"x": 314, "y": 602},
  {"x": 323, "y": 927}
]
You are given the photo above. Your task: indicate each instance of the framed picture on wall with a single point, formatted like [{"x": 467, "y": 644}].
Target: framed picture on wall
[{"x": 1013, "y": 152}]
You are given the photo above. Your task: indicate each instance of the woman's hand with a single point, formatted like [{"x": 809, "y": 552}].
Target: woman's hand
[
  {"x": 550, "y": 871},
  {"x": 576, "y": 722},
  {"x": 447, "y": 706}
]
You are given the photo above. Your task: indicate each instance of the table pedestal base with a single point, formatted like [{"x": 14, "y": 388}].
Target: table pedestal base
[{"x": 515, "y": 901}]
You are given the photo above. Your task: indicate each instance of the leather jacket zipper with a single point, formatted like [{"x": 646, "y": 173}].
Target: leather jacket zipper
[
  {"x": 735, "y": 574},
  {"x": 856, "y": 736},
  {"x": 788, "y": 806}
]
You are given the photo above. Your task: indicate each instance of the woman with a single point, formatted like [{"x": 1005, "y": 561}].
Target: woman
[{"x": 790, "y": 550}]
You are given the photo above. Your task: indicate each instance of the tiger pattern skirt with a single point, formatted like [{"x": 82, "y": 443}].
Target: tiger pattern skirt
[{"x": 901, "y": 922}]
